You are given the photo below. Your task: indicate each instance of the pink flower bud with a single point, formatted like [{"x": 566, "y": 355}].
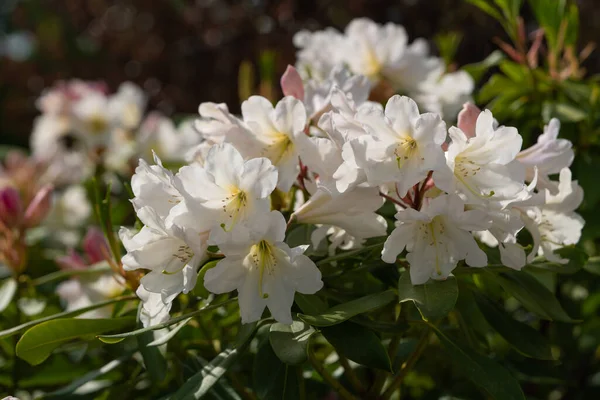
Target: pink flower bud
[
  {"x": 467, "y": 119},
  {"x": 71, "y": 261},
  {"x": 39, "y": 206},
  {"x": 291, "y": 83},
  {"x": 11, "y": 208},
  {"x": 95, "y": 246}
]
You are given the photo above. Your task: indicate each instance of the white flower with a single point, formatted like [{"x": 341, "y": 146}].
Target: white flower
[
  {"x": 405, "y": 145},
  {"x": 436, "y": 238},
  {"x": 319, "y": 52},
  {"x": 159, "y": 134},
  {"x": 354, "y": 211},
  {"x": 153, "y": 185},
  {"x": 126, "y": 106},
  {"x": 273, "y": 132},
  {"x": 550, "y": 154},
  {"x": 70, "y": 211},
  {"x": 80, "y": 293},
  {"x": 446, "y": 95},
  {"x": 265, "y": 271},
  {"x": 482, "y": 167},
  {"x": 227, "y": 189},
  {"x": 154, "y": 311},
  {"x": 171, "y": 254},
  {"x": 216, "y": 123},
  {"x": 339, "y": 238},
  {"x": 556, "y": 224},
  {"x": 93, "y": 119},
  {"x": 317, "y": 94}
]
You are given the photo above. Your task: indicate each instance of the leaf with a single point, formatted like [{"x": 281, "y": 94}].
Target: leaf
[
  {"x": 274, "y": 380},
  {"x": 168, "y": 336},
  {"x": 116, "y": 338},
  {"x": 200, "y": 383},
  {"x": 522, "y": 337},
  {"x": 533, "y": 295},
  {"x": 576, "y": 256},
  {"x": 342, "y": 312},
  {"x": 8, "y": 288},
  {"x": 290, "y": 342},
  {"x": 16, "y": 329},
  {"x": 569, "y": 113},
  {"x": 310, "y": 303},
  {"x": 490, "y": 376},
  {"x": 477, "y": 70},
  {"x": 484, "y": 6},
  {"x": 434, "y": 299},
  {"x": 90, "y": 376},
  {"x": 154, "y": 361},
  {"x": 359, "y": 344},
  {"x": 37, "y": 343},
  {"x": 199, "y": 290}
]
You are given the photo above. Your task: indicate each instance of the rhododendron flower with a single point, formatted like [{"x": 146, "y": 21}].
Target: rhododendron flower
[
  {"x": 265, "y": 271},
  {"x": 436, "y": 238}
]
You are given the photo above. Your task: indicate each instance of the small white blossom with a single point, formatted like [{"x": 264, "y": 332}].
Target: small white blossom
[{"x": 265, "y": 271}]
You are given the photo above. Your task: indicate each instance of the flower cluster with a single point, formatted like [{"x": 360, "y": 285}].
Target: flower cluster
[
  {"x": 325, "y": 155},
  {"x": 82, "y": 126}
]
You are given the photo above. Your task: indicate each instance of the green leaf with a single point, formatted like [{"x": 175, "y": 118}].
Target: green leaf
[
  {"x": 290, "y": 342},
  {"x": 434, "y": 299},
  {"x": 200, "y": 383},
  {"x": 16, "y": 329},
  {"x": 170, "y": 335},
  {"x": 576, "y": 256},
  {"x": 116, "y": 338},
  {"x": 90, "y": 376},
  {"x": 310, "y": 303},
  {"x": 342, "y": 312},
  {"x": 490, "y": 376},
  {"x": 274, "y": 380},
  {"x": 199, "y": 290},
  {"x": 154, "y": 361},
  {"x": 522, "y": 337},
  {"x": 37, "y": 343},
  {"x": 533, "y": 295},
  {"x": 477, "y": 70},
  {"x": 489, "y": 9},
  {"x": 8, "y": 288},
  {"x": 568, "y": 113},
  {"x": 358, "y": 344}
]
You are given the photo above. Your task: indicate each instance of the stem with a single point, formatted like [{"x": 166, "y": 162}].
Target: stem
[
  {"x": 15, "y": 367},
  {"x": 393, "y": 200},
  {"x": 334, "y": 383},
  {"x": 290, "y": 221},
  {"x": 407, "y": 366},
  {"x": 348, "y": 254},
  {"x": 351, "y": 374}
]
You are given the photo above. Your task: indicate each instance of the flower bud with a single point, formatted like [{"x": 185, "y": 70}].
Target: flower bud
[
  {"x": 11, "y": 208},
  {"x": 95, "y": 246},
  {"x": 39, "y": 206},
  {"x": 467, "y": 119},
  {"x": 291, "y": 83}
]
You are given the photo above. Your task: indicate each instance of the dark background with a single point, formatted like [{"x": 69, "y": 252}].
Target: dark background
[{"x": 184, "y": 52}]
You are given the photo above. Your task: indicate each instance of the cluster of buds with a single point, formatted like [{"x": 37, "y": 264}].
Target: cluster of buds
[{"x": 16, "y": 216}]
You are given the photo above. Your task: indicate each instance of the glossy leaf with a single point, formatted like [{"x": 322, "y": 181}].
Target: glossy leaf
[
  {"x": 290, "y": 342},
  {"x": 533, "y": 295},
  {"x": 358, "y": 344},
  {"x": 199, "y": 384},
  {"x": 199, "y": 290},
  {"x": 274, "y": 380},
  {"x": 154, "y": 361},
  {"x": 38, "y": 342},
  {"x": 488, "y": 375},
  {"x": 434, "y": 299},
  {"x": 522, "y": 337},
  {"x": 342, "y": 312}
]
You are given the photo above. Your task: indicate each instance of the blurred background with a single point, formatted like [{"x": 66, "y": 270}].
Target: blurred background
[{"x": 184, "y": 52}]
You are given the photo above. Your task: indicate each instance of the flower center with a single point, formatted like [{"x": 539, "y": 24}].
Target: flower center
[
  {"x": 234, "y": 206},
  {"x": 465, "y": 170},
  {"x": 97, "y": 124},
  {"x": 263, "y": 258},
  {"x": 405, "y": 149},
  {"x": 181, "y": 257},
  {"x": 281, "y": 145},
  {"x": 372, "y": 64}
]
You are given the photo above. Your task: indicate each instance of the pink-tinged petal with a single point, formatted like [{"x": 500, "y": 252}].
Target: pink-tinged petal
[
  {"x": 467, "y": 119},
  {"x": 95, "y": 246},
  {"x": 11, "y": 206},
  {"x": 39, "y": 206},
  {"x": 291, "y": 83},
  {"x": 71, "y": 261}
]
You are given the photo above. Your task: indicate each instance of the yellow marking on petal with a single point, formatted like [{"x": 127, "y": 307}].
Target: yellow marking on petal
[
  {"x": 263, "y": 258},
  {"x": 280, "y": 146},
  {"x": 184, "y": 254},
  {"x": 97, "y": 124}
]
